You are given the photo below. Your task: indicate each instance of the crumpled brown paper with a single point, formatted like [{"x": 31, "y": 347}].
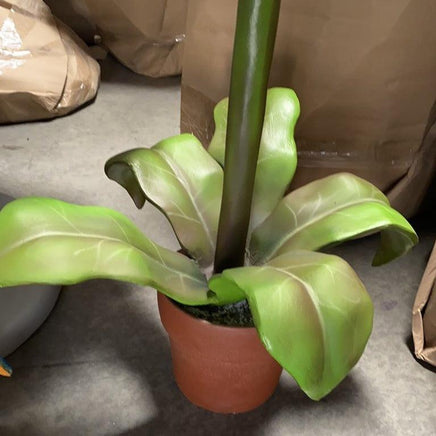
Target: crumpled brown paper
[
  {"x": 146, "y": 36},
  {"x": 75, "y": 14},
  {"x": 424, "y": 314},
  {"x": 44, "y": 68},
  {"x": 364, "y": 73},
  {"x": 409, "y": 192}
]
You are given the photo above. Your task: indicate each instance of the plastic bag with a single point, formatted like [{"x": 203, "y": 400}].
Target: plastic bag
[
  {"x": 147, "y": 37},
  {"x": 45, "y": 70}
]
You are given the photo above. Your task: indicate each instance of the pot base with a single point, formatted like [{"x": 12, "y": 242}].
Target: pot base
[{"x": 221, "y": 369}]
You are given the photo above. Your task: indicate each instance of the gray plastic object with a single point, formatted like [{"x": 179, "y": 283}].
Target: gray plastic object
[{"x": 22, "y": 309}]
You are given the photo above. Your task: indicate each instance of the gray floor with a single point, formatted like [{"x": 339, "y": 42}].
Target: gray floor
[{"x": 101, "y": 364}]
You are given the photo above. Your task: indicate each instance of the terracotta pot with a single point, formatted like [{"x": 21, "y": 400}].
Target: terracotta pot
[{"x": 222, "y": 369}]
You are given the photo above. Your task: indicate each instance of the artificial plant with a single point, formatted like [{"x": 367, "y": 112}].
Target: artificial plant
[{"x": 311, "y": 310}]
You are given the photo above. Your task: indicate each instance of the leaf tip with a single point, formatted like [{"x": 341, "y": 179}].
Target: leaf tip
[{"x": 122, "y": 173}]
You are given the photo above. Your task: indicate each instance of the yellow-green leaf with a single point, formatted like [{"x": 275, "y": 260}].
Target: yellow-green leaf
[
  {"x": 312, "y": 313},
  {"x": 43, "y": 240},
  {"x": 277, "y": 153},
  {"x": 328, "y": 211},
  {"x": 179, "y": 177}
]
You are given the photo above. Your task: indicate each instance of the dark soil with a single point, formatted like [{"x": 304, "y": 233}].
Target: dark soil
[{"x": 231, "y": 315}]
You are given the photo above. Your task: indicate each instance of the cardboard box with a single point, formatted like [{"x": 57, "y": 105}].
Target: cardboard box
[{"x": 365, "y": 75}]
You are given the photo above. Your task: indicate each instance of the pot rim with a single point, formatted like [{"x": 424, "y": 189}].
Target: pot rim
[{"x": 204, "y": 321}]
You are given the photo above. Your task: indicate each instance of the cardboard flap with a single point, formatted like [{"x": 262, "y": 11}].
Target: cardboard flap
[
  {"x": 424, "y": 314},
  {"x": 409, "y": 192}
]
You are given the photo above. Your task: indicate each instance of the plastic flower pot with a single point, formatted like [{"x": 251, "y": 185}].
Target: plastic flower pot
[{"x": 219, "y": 368}]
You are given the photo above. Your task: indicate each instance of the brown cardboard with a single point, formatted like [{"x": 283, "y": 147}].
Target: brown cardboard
[
  {"x": 364, "y": 73},
  {"x": 147, "y": 37},
  {"x": 424, "y": 314},
  {"x": 409, "y": 192},
  {"x": 44, "y": 68}
]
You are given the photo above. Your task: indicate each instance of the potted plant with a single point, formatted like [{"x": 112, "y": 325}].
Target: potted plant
[{"x": 248, "y": 250}]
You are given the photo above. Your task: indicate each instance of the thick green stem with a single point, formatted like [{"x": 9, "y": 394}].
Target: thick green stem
[{"x": 252, "y": 54}]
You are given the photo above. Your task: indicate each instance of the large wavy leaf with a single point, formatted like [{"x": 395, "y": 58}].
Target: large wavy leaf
[
  {"x": 44, "y": 240},
  {"x": 277, "y": 153},
  {"x": 183, "y": 181},
  {"x": 328, "y": 211},
  {"x": 312, "y": 313}
]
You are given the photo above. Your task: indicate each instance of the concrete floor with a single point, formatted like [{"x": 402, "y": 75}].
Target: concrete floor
[{"x": 101, "y": 366}]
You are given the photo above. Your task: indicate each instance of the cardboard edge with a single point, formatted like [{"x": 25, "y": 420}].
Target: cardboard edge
[{"x": 428, "y": 354}]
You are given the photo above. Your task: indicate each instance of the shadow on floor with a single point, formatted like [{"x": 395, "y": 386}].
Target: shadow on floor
[
  {"x": 411, "y": 346},
  {"x": 177, "y": 416},
  {"x": 108, "y": 321},
  {"x": 113, "y": 71}
]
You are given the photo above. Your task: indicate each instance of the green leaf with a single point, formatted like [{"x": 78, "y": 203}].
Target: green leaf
[
  {"x": 225, "y": 291},
  {"x": 329, "y": 211},
  {"x": 44, "y": 240},
  {"x": 312, "y": 313},
  {"x": 179, "y": 177},
  {"x": 277, "y": 154}
]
